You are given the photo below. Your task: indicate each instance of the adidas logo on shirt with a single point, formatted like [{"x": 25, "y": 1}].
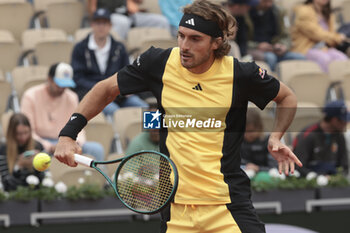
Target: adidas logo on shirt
[
  {"x": 197, "y": 87},
  {"x": 190, "y": 22}
]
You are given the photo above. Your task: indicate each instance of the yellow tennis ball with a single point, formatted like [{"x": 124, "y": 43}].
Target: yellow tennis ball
[{"x": 41, "y": 161}]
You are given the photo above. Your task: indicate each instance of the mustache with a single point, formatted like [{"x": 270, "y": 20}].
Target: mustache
[{"x": 185, "y": 54}]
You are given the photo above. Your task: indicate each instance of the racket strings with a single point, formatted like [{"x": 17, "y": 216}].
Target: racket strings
[{"x": 145, "y": 182}]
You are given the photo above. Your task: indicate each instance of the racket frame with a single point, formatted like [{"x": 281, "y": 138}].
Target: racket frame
[{"x": 86, "y": 161}]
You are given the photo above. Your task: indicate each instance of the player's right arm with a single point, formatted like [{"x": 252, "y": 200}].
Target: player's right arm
[
  {"x": 103, "y": 93},
  {"x": 132, "y": 79}
]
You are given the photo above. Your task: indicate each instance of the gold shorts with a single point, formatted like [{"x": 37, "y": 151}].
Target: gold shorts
[{"x": 180, "y": 218}]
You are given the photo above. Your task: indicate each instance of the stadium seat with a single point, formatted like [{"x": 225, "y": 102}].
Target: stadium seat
[
  {"x": 138, "y": 35},
  {"x": 22, "y": 75},
  {"x": 5, "y": 119},
  {"x": 339, "y": 72},
  {"x": 2, "y": 76},
  {"x": 31, "y": 37},
  {"x": 150, "y": 6},
  {"x": 218, "y": 1},
  {"x": 67, "y": 16},
  {"x": 346, "y": 86},
  {"x": 81, "y": 33},
  {"x": 345, "y": 11},
  {"x": 128, "y": 124},
  {"x": 41, "y": 5},
  {"x": 289, "y": 6},
  {"x": 111, "y": 168},
  {"x": 12, "y": 1},
  {"x": 339, "y": 69},
  {"x": 71, "y": 175},
  {"x": 50, "y": 52},
  {"x": 337, "y": 3},
  {"x": 99, "y": 130},
  {"x": 10, "y": 53},
  {"x": 319, "y": 84},
  {"x": 158, "y": 43},
  {"x": 6, "y": 36},
  {"x": 5, "y": 91},
  {"x": 290, "y": 68},
  {"x": 15, "y": 17},
  {"x": 78, "y": 176},
  {"x": 306, "y": 114},
  {"x": 57, "y": 169}
]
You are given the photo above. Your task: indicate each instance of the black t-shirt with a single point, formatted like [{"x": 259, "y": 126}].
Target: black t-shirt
[
  {"x": 256, "y": 152},
  {"x": 111, "y": 5},
  {"x": 319, "y": 151},
  {"x": 208, "y": 159},
  {"x": 242, "y": 35},
  {"x": 265, "y": 25}
]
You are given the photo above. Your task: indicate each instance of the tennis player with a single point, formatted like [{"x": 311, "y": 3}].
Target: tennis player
[{"x": 213, "y": 193}]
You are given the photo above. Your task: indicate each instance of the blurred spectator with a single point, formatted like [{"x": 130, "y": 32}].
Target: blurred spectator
[
  {"x": 239, "y": 9},
  {"x": 171, "y": 9},
  {"x": 147, "y": 140},
  {"x": 127, "y": 14},
  {"x": 16, "y": 156},
  {"x": 345, "y": 46},
  {"x": 98, "y": 57},
  {"x": 321, "y": 147},
  {"x": 49, "y": 106},
  {"x": 269, "y": 40},
  {"x": 314, "y": 34},
  {"x": 254, "y": 153}
]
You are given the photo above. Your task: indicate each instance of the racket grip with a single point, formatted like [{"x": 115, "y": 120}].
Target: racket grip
[{"x": 83, "y": 160}]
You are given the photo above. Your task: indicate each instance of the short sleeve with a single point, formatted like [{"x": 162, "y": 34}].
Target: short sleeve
[
  {"x": 255, "y": 84},
  {"x": 137, "y": 77}
]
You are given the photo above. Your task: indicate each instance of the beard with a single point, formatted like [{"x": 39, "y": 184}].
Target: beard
[{"x": 189, "y": 61}]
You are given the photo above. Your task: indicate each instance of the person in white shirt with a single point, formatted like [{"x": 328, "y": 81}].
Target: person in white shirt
[{"x": 99, "y": 56}]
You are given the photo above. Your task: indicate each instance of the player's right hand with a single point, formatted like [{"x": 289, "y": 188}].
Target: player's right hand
[{"x": 65, "y": 150}]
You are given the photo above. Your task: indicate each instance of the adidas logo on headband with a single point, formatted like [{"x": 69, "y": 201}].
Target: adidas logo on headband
[
  {"x": 209, "y": 27},
  {"x": 190, "y": 22}
]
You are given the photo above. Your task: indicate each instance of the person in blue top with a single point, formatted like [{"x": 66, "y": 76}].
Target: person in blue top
[{"x": 171, "y": 9}]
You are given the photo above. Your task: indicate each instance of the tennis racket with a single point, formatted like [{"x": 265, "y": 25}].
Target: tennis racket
[{"x": 145, "y": 182}]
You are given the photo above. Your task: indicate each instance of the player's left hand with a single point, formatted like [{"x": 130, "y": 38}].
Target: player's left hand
[{"x": 283, "y": 155}]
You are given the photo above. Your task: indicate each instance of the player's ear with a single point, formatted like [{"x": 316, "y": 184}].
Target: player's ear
[{"x": 217, "y": 42}]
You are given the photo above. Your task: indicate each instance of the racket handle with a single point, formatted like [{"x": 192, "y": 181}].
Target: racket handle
[{"x": 83, "y": 160}]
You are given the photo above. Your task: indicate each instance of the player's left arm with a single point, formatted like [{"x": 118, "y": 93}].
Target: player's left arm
[{"x": 286, "y": 107}]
